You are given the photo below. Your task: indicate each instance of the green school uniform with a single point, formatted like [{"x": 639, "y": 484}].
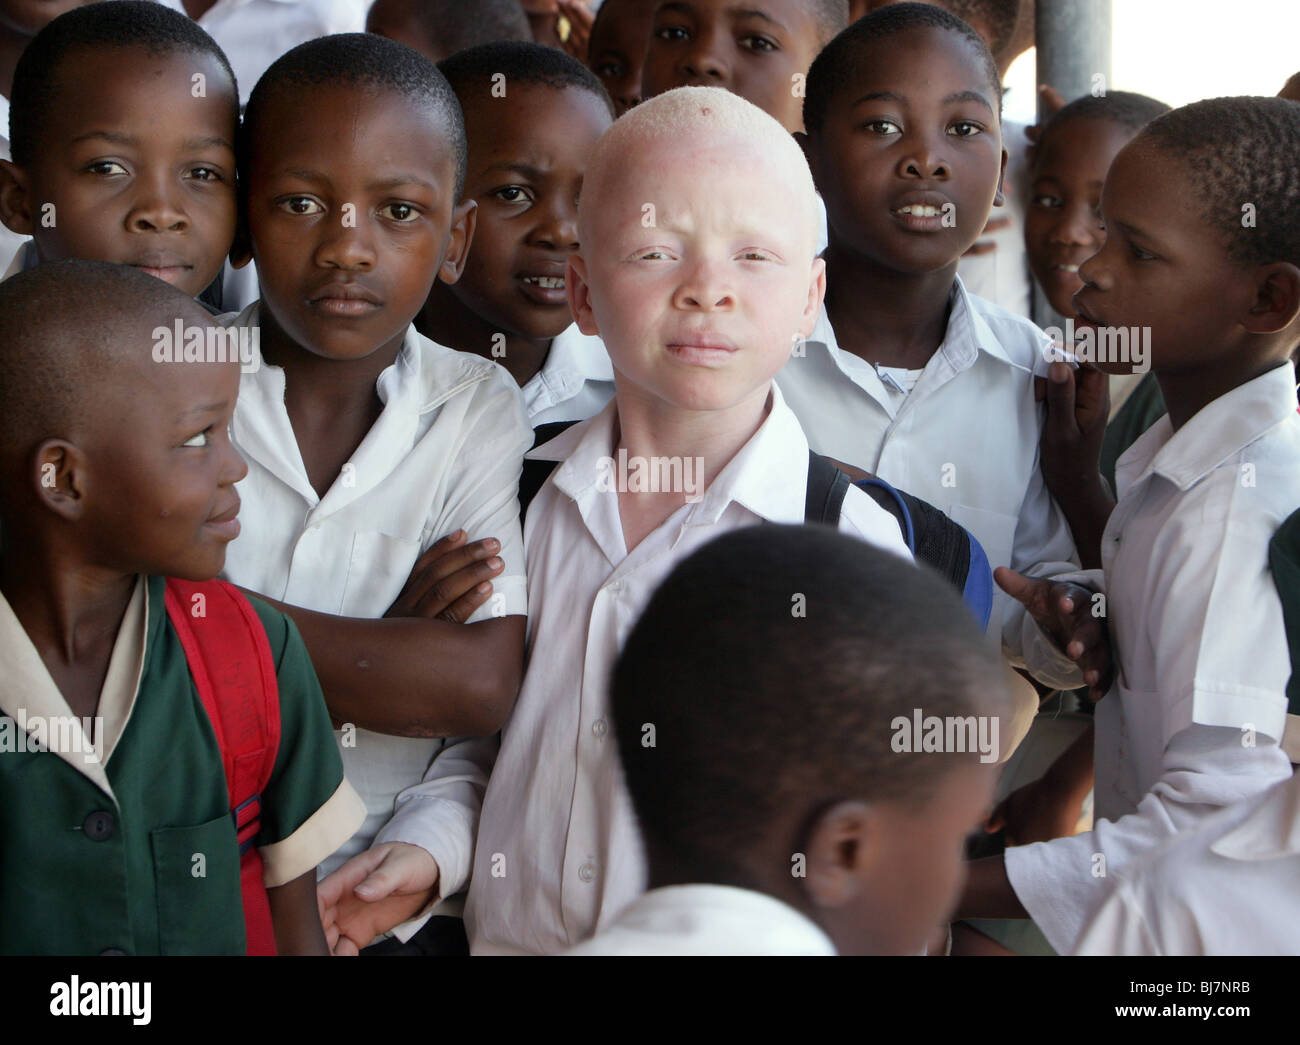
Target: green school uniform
[{"x": 132, "y": 849}]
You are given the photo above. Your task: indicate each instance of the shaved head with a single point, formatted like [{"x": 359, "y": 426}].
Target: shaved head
[
  {"x": 70, "y": 333},
  {"x": 691, "y": 120}
]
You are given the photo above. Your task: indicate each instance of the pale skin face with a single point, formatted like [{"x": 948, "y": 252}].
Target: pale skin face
[{"x": 700, "y": 300}]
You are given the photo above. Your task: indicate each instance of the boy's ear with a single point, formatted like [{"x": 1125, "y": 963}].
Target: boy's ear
[
  {"x": 59, "y": 476},
  {"x": 464, "y": 220},
  {"x": 841, "y": 846},
  {"x": 1277, "y": 299},
  {"x": 15, "y": 204},
  {"x": 579, "y": 290},
  {"x": 816, "y": 295},
  {"x": 999, "y": 198},
  {"x": 241, "y": 248},
  {"x": 805, "y": 144}
]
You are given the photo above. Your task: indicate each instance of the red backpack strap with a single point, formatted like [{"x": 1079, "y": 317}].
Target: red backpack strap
[{"x": 229, "y": 658}]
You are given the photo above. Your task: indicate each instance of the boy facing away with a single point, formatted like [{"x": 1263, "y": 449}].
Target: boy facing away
[
  {"x": 698, "y": 274},
  {"x": 816, "y": 832},
  {"x": 101, "y": 829},
  {"x": 907, "y": 375},
  {"x": 374, "y": 454},
  {"x": 1195, "y": 721}
]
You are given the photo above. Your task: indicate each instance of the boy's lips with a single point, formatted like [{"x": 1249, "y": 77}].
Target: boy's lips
[
  {"x": 1084, "y": 318},
  {"x": 345, "y": 300},
  {"x": 702, "y": 347},
  {"x": 545, "y": 285},
  {"x": 922, "y": 211},
  {"x": 162, "y": 265},
  {"x": 226, "y": 523}
]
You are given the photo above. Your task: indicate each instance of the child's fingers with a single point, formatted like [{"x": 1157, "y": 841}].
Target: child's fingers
[
  {"x": 443, "y": 598},
  {"x": 1029, "y": 591},
  {"x": 463, "y": 608}
]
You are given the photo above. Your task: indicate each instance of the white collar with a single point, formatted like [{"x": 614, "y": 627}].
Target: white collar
[
  {"x": 1217, "y": 431},
  {"x": 758, "y": 477}
]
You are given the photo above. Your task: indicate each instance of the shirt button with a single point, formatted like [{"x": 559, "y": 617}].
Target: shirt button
[
  {"x": 616, "y": 587},
  {"x": 112, "y": 952},
  {"x": 99, "y": 826},
  {"x": 598, "y": 727},
  {"x": 587, "y": 872}
]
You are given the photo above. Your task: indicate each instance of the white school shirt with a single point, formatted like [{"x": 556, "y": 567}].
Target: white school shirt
[
  {"x": 965, "y": 439},
  {"x": 559, "y": 852},
  {"x": 575, "y": 382},
  {"x": 444, "y": 454},
  {"x": 1199, "y": 642},
  {"x": 10, "y": 242},
  {"x": 254, "y": 33},
  {"x": 708, "y": 919},
  {"x": 1230, "y": 886}
]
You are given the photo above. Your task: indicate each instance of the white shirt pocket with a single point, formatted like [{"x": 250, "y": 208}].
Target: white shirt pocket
[{"x": 377, "y": 571}]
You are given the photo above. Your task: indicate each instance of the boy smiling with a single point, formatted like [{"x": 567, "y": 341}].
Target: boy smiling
[
  {"x": 698, "y": 309},
  {"x": 527, "y": 153}
]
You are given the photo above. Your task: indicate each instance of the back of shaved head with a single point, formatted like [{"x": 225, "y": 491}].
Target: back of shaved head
[
  {"x": 688, "y": 119},
  {"x": 70, "y": 333}
]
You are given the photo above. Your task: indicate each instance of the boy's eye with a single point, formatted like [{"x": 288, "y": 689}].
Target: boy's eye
[
  {"x": 761, "y": 44},
  {"x": 672, "y": 32},
  {"x": 1047, "y": 201},
  {"x": 1140, "y": 254},
  {"x": 652, "y": 255},
  {"x": 609, "y": 70},
  {"x": 511, "y": 194},
  {"x": 106, "y": 167},
  {"x": 301, "y": 205},
  {"x": 199, "y": 439},
  {"x": 965, "y": 129},
  {"x": 204, "y": 174},
  {"x": 755, "y": 255},
  {"x": 882, "y": 126},
  {"x": 403, "y": 213}
]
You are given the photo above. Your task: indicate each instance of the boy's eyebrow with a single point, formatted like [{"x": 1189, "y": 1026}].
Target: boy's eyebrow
[
  {"x": 1134, "y": 231},
  {"x": 735, "y": 12},
  {"x": 308, "y": 174},
  {"x": 968, "y": 96},
  {"x": 526, "y": 169},
  {"x": 117, "y": 138},
  {"x": 956, "y": 96},
  {"x": 206, "y": 408}
]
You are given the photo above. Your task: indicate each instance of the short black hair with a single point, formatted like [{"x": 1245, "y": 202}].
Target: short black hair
[
  {"x": 1240, "y": 151},
  {"x": 841, "y": 59},
  {"x": 522, "y": 63},
  {"x": 453, "y": 25},
  {"x": 357, "y": 60},
  {"x": 62, "y": 325},
  {"x": 1000, "y": 16},
  {"x": 763, "y": 680},
  {"x": 122, "y": 24},
  {"x": 1126, "y": 108}
]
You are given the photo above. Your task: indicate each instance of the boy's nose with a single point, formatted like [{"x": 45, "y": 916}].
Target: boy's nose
[
  {"x": 704, "y": 289},
  {"x": 557, "y": 229},
  {"x": 924, "y": 160},
  {"x": 1076, "y": 226},
  {"x": 1093, "y": 272},
  {"x": 346, "y": 246},
  {"x": 155, "y": 210},
  {"x": 704, "y": 61}
]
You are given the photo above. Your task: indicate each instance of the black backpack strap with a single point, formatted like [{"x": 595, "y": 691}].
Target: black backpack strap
[
  {"x": 535, "y": 473},
  {"x": 827, "y": 486},
  {"x": 939, "y": 542}
]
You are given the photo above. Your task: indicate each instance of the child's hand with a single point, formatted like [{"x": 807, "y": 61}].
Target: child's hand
[
  {"x": 1037, "y": 812},
  {"x": 1064, "y": 611},
  {"x": 1078, "y": 406},
  {"x": 580, "y": 21},
  {"x": 374, "y": 892},
  {"x": 450, "y": 581}
]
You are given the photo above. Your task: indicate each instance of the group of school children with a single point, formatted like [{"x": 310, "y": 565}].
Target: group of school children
[{"x": 336, "y": 391}]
